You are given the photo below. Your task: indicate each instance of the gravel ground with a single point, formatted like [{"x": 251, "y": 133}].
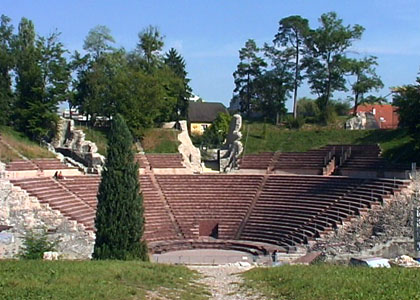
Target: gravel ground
[{"x": 223, "y": 281}]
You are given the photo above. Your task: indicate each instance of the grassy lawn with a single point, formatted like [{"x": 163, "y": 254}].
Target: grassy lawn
[
  {"x": 158, "y": 140},
  {"x": 96, "y": 280},
  {"x": 96, "y": 135},
  {"x": 326, "y": 282},
  {"x": 22, "y": 144},
  {"x": 396, "y": 144}
]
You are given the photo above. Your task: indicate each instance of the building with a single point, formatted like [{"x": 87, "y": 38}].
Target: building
[
  {"x": 385, "y": 114},
  {"x": 202, "y": 114}
]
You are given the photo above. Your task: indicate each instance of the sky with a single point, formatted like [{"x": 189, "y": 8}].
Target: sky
[{"x": 209, "y": 34}]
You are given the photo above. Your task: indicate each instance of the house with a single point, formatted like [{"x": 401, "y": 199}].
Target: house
[
  {"x": 202, "y": 114},
  {"x": 385, "y": 114}
]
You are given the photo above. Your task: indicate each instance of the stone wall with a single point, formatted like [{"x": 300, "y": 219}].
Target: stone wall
[
  {"x": 386, "y": 231},
  {"x": 23, "y": 213}
]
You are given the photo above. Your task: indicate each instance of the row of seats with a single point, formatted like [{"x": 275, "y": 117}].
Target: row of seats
[
  {"x": 294, "y": 209},
  {"x": 57, "y": 196},
  {"x": 160, "y": 160},
  {"x": 36, "y": 164}
]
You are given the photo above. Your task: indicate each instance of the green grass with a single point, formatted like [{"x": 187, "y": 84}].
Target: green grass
[
  {"x": 98, "y": 136},
  {"x": 396, "y": 144},
  {"x": 326, "y": 282},
  {"x": 22, "y": 144},
  {"x": 96, "y": 280},
  {"x": 158, "y": 140}
]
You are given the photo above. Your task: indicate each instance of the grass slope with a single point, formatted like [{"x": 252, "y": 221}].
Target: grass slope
[
  {"x": 159, "y": 140},
  {"x": 325, "y": 282},
  {"x": 98, "y": 136},
  {"x": 22, "y": 144},
  {"x": 96, "y": 280},
  {"x": 396, "y": 144}
]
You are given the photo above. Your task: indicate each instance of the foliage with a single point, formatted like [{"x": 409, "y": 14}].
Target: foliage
[
  {"x": 294, "y": 123},
  {"x": 307, "y": 108},
  {"x": 150, "y": 44},
  {"x": 42, "y": 78},
  {"x": 97, "y": 280},
  {"x": 215, "y": 135},
  {"x": 176, "y": 63},
  {"x": 98, "y": 40},
  {"x": 6, "y": 65},
  {"x": 119, "y": 217},
  {"x": 334, "y": 282},
  {"x": 366, "y": 80},
  {"x": 342, "y": 108},
  {"x": 291, "y": 35},
  {"x": 325, "y": 64},
  {"x": 35, "y": 244},
  {"x": 248, "y": 70},
  {"x": 407, "y": 99}
]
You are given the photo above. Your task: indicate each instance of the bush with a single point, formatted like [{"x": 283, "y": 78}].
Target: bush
[
  {"x": 307, "y": 108},
  {"x": 293, "y": 123},
  {"x": 35, "y": 244}
]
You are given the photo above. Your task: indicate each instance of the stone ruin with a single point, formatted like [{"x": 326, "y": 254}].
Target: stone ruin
[
  {"x": 232, "y": 149},
  {"x": 357, "y": 122},
  {"x": 71, "y": 143}
]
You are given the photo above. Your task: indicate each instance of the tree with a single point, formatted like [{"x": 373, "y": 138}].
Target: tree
[
  {"x": 177, "y": 64},
  {"x": 407, "y": 99},
  {"x": 150, "y": 44},
  {"x": 248, "y": 70},
  {"x": 366, "y": 80},
  {"x": 6, "y": 65},
  {"x": 42, "y": 78},
  {"x": 98, "y": 40},
  {"x": 119, "y": 216},
  {"x": 326, "y": 61},
  {"x": 291, "y": 34}
]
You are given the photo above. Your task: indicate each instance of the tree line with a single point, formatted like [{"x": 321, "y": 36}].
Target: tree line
[
  {"x": 266, "y": 77},
  {"x": 144, "y": 85}
]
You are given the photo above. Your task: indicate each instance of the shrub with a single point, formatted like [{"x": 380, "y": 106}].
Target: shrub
[
  {"x": 35, "y": 244},
  {"x": 293, "y": 123}
]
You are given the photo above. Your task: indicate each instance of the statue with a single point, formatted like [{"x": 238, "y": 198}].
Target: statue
[{"x": 233, "y": 148}]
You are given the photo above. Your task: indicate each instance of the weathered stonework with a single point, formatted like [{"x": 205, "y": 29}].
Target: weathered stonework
[
  {"x": 385, "y": 231},
  {"x": 23, "y": 213},
  {"x": 233, "y": 148},
  {"x": 191, "y": 155}
]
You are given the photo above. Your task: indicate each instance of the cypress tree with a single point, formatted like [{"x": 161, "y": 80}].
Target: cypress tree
[{"x": 119, "y": 216}]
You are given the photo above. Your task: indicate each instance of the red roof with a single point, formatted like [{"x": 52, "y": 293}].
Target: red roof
[{"x": 385, "y": 114}]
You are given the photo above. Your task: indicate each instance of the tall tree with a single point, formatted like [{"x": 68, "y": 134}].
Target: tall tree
[
  {"x": 177, "y": 64},
  {"x": 150, "y": 45},
  {"x": 42, "y": 78},
  {"x": 119, "y": 216},
  {"x": 291, "y": 34},
  {"x": 366, "y": 80},
  {"x": 98, "y": 40},
  {"x": 275, "y": 83},
  {"x": 248, "y": 70},
  {"x": 326, "y": 62},
  {"x": 6, "y": 65}
]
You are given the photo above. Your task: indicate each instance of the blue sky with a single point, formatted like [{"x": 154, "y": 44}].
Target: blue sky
[{"x": 209, "y": 33}]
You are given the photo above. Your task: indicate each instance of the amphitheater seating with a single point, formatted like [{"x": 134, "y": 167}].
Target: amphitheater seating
[
  {"x": 53, "y": 193},
  {"x": 159, "y": 225},
  {"x": 160, "y": 160},
  {"x": 85, "y": 187},
  {"x": 259, "y": 161},
  {"x": 36, "y": 164},
  {"x": 293, "y": 209},
  {"x": 224, "y": 199}
]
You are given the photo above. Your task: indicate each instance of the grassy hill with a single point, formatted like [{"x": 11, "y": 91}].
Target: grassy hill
[
  {"x": 257, "y": 137},
  {"x": 155, "y": 140},
  {"x": 325, "y": 282},
  {"x": 96, "y": 280},
  {"x": 22, "y": 144}
]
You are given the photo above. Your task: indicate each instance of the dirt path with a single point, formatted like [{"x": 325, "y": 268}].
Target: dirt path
[{"x": 223, "y": 281}]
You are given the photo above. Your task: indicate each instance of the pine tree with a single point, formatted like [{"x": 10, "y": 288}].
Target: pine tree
[{"x": 119, "y": 216}]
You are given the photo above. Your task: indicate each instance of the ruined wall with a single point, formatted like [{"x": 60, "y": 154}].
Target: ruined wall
[
  {"x": 22, "y": 212},
  {"x": 386, "y": 231}
]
